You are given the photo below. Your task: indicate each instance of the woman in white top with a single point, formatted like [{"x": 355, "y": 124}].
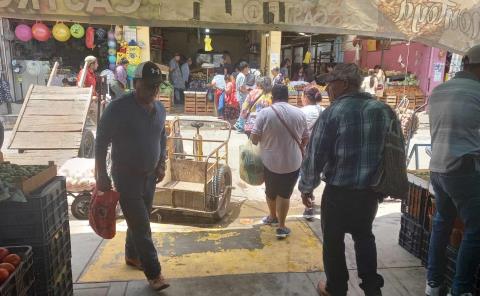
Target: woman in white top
[
  {"x": 370, "y": 83},
  {"x": 310, "y": 99}
]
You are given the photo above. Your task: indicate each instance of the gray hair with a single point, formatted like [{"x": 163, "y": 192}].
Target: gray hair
[
  {"x": 264, "y": 83},
  {"x": 347, "y": 72}
]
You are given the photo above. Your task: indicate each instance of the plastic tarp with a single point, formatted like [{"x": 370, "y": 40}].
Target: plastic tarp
[{"x": 449, "y": 24}]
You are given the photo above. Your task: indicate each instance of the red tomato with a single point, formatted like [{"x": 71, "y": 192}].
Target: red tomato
[
  {"x": 9, "y": 267},
  {"x": 3, "y": 253},
  {"x": 4, "y": 274},
  {"x": 13, "y": 259}
]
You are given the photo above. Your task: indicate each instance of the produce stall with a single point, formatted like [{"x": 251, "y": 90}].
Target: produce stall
[
  {"x": 16, "y": 270},
  {"x": 416, "y": 225},
  {"x": 34, "y": 216}
]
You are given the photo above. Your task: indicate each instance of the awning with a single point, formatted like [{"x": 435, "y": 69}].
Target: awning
[{"x": 449, "y": 24}]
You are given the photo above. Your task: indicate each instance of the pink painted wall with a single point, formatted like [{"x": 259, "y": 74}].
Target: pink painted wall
[{"x": 419, "y": 61}]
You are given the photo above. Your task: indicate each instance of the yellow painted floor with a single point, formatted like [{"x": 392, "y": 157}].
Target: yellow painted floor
[{"x": 209, "y": 252}]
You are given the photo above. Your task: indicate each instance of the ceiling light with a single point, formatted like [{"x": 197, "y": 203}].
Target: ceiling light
[{"x": 207, "y": 30}]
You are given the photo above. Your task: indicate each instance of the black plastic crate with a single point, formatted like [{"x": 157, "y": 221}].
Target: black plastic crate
[
  {"x": 411, "y": 236},
  {"x": 20, "y": 282},
  {"x": 35, "y": 221},
  {"x": 415, "y": 206},
  {"x": 51, "y": 259},
  {"x": 62, "y": 284}
]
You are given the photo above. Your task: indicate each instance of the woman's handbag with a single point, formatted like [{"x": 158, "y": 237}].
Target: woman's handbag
[{"x": 392, "y": 172}]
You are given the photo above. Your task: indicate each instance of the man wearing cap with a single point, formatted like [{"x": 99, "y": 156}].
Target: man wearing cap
[
  {"x": 455, "y": 175},
  {"x": 345, "y": 151},
  {"x": 135, "y": 126}
]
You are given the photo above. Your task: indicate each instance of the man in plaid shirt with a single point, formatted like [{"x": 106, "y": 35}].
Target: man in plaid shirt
[{"x": 345, "y": 151}]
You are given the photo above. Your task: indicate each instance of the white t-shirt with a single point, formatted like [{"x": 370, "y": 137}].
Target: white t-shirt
[
  {"x": 279, "y": 151},
  {"x": 312, "y": 112},
  {"x": 366, "y": 85},
  {"x": 219, "y": 81}
]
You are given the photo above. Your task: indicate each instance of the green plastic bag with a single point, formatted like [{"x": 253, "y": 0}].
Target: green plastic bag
[{"x": 251, "y": 165}]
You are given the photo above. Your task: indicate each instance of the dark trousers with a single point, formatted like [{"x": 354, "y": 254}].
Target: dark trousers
[
  {"x": 136, "y": 197},
  {"x": 457, "y": 192},
  {"x": 344, "y": 211},
  {"x": 179, "y": 96}
]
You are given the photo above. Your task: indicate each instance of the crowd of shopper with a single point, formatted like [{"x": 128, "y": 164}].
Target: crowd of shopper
[{"x": 343, "y": 146}]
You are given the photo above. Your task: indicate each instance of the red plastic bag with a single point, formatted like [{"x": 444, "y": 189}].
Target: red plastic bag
[{"x": 102, "y": 215}]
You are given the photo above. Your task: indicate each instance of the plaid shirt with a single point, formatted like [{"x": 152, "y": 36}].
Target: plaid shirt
[{"x": 346, "y": 144}]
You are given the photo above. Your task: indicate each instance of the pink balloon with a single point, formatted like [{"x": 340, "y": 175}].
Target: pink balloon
[
  {"x": 23, "y": 33},
  {"x": 41, "y": 32}
]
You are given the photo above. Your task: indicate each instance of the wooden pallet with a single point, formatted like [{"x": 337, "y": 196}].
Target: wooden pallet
[{"x": 51, "y": 118}]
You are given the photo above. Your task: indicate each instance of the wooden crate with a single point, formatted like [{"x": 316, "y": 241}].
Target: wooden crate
[
  {"x": 29, "y": 185},
  {"x": 293, "y": 100},
  {"x": 166, "y": 101}
]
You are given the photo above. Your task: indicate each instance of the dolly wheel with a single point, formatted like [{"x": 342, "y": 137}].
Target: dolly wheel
[
  {"x": 81, "y": 206},
  {"x": 220, "y": 192}
]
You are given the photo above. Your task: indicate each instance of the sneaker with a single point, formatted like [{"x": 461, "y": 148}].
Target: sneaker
[
  {"x": 432, "y": 291},
  {"x": 269, "y": 221},
  {"x": 309, "y": 214},
  {"x": 159, "y": 283},
  {"x": 283, "y": 232}
]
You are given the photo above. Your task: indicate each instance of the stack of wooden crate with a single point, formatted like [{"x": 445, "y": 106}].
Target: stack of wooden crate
[
  {"x": 201, "y": 103},
  {"x": 166, "y": 101},
  {"x": 190, "y": 103}
]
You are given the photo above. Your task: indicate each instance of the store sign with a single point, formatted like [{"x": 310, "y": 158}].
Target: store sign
[
  {"x": 98, "y": 7},
  {"x": 452, "y": 24}
]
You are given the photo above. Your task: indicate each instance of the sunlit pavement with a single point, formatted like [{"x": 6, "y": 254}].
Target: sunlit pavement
[{"x": 238, "y": 256}]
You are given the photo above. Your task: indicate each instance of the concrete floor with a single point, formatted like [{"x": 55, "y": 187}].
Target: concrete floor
[{"x": 402, "y": 272}]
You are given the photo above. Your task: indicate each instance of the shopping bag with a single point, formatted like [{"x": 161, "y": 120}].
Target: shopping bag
[
  {"x": 251, "y": 165},
  {"x": 102, "y": 215}
]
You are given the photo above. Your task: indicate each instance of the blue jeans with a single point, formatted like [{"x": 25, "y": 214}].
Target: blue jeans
[
  {"x": 179, "y": 96},
  {"x": 136, "y": 198},
  {"x": 458, "y": 192}
]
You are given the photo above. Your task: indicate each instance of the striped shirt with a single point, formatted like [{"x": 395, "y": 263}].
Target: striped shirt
[
  {"x": 455, "y": 123},
  {"x": 346, "y": 145}
]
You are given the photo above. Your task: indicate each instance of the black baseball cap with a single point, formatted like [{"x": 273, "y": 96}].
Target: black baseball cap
[{"x": 148, "y": 72}]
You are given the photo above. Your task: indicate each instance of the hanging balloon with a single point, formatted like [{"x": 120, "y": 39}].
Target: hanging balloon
[
  {"x": 77, "y": 31},
  {"x": 61, "y": 32},
  {"x": 112, "y": 59},
  {"x": 112, "y": 67},
  {"x": 111, "y": 35},
  {"x": 90, "y": 38},
  {"x": 23, "y": 33},
  {"x": 112, "y": 51},
  {"x": 131, "y": 70},
  {"x": 112, "y": 43},
  {"x": 41, "y": 32},
  {"x": 101, "y": 35}
]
